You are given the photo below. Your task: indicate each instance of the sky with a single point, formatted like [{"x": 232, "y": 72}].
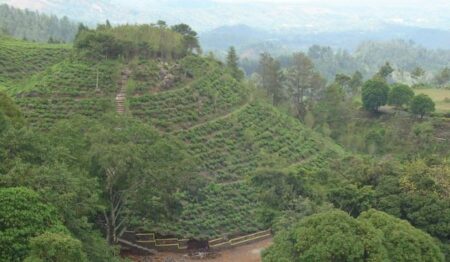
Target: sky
[{"x": 309, "y": 15}]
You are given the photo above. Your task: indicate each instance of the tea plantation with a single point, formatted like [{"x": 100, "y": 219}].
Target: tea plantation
[{"x": 194, "y": 99}]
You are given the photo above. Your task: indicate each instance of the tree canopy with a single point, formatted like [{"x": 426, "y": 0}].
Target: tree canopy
[
  {"x": 23, "y": 216},
  {"x": 336, "y": 236},
  {"x": 400, "y": 95},
  {"x": 374, "y": 94},
  {"x": 422, "y": 105}
]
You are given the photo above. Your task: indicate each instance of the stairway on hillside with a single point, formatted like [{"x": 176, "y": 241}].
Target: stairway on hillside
[{"x": 122, "y": 94}]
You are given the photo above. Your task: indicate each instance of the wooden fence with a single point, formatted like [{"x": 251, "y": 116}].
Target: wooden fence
[{"x": 150, "y": 241}]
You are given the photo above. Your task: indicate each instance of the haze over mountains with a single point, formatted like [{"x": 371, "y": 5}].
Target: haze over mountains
[{"x": 296, "y": 24}]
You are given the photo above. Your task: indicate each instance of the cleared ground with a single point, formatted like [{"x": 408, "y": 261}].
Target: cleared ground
[
  {"x": 440, "y": 96},
  {"x": 247, "y": 253}
]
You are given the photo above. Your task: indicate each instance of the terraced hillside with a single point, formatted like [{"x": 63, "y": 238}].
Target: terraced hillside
[
  {"x": 229, "y": 149},
  {"x": 71, "y": 87},
  {"x": 255, "y": 136},
  {"x": 20, "y": 59},
  {"x": 196, "y": 100}
]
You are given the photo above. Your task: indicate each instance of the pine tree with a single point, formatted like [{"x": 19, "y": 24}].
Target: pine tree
[{"x": 233, "y": 64}]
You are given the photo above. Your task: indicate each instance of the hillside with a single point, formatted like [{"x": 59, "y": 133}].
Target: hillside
[
  {"x": 20, "y": 59},
  {"x": 194, "y": 99}
]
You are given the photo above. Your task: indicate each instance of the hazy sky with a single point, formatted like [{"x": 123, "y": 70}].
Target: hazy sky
[{"x": 313, "y": 15}]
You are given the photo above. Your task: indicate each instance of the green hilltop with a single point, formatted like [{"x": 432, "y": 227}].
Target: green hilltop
[{"x": 193, "y": 98}]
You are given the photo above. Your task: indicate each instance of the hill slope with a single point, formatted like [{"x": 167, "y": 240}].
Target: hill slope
[{"x": 228, "y": 135}]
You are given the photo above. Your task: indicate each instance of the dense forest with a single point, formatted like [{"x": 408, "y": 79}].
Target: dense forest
[
  {"x": 413, "y": 64},
  {"x": 31, "y": 25},
  {"x": 132, "y": 128}
]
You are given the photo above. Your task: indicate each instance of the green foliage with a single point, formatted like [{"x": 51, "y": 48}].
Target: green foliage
[
  {"x": 99, "y": 44},
  {"x": 351, "y": 199},
  {"x": 330, "y": 236},
  {"x": 422, "y": 105},
  {"x": 190, "y": 38},
  {"x": 257, "y": 136},
  {"x": 334, "y": 235},
  {"x": 55, "y": 247},
  {"x": 19, "y": 59},
  {"x": 129, "y": 41},
  {"x": 271, "y": 81},
  {"x": 400, "y": 95},
  {"x": 22, "y": 216},
  {"x": 9, "y": 112},
  {"x": 402, "y": 241},
  {"x": 374, "y": 94},
  {"x": 220, "y": 210},
  {"x": 233, "y": 64},
  {"x": 216, "y": 93}
]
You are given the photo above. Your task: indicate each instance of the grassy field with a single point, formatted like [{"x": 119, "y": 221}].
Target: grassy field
[{"x": 440, "y": 96}]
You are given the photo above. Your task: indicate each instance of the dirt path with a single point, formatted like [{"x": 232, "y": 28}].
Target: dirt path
[{"x": 247, "y": 253}]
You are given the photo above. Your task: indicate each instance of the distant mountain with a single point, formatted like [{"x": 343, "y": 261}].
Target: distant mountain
[{"x": 247, "y": 39}]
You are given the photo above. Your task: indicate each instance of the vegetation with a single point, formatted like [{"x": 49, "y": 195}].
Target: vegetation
[
  {"x": 23, "y": 215},
  {"x": 400, "y": 95},
  {"x": 422, "y": 105},
  {"x": 55, "y": 247},
  {"x": 374, "y": 94},
  {"x": 26, "y": 24},
  {"x": 19, "y": 59},
  {"x": 199, "y": 153},
  {"x": 334, "y": 235}
]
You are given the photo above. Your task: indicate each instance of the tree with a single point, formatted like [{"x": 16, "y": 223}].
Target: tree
[
  {"x": 336, "y": 236},
  {"x": 356, "y": 82},
  {"x": 329, "y": 236},
  {"x": 190, "y": 40},
  {"x": 303, "y": 82},
  {"x": 385, "y": 71},
  {"x": 233, "y": 64},
  {"x": 443, "y": 77},
  {"x": 333, "y": 111},
  {"x": 399, "y": 95},
  {"x": 22, "y": 216},
  {"x": 422, "y": 105},
  {"x": 139, "y": 171},
  {"x": 374, "y": 94},
  {"x": 402, "y": 241},
  {"x": 98, "y": 44},
  {"x": 418, "y": 72},
  {"x": 351, "y": 199},
  {"x": 271, "y": 78},
  {"x": 55, "y": 247}
]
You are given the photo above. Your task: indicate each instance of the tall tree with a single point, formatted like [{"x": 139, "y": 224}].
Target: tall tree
[
  {"x": 271, "y": 78},
  {"x": 303, "y": 82},
  {"x": 233, "y": 64}
]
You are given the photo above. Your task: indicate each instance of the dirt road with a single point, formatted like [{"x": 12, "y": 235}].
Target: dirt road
[{"x": 247, "y": 253}]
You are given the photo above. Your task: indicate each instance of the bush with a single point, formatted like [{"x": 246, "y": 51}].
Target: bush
[
  {"x": 22, "y": 217},
  {"x": 55, "y": 247}
]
